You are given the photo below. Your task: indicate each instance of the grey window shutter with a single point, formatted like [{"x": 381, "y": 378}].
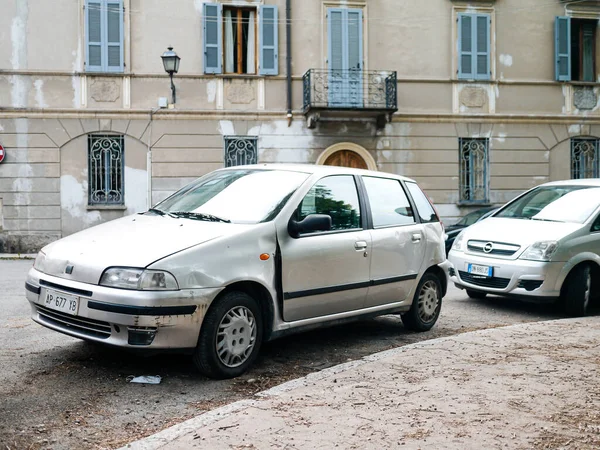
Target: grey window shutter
[
  {"x": 465, "y": 46},
  {"x": 213, "y": 31},
  {"x": 355, "y": 39},
  {"x": 482, "y": 62},
  {"x": 268, "y": 25},
  {"x": 562, "y": 48},
  {"x": 114, "y": 36},
  {"x": 94, "y": 36}
]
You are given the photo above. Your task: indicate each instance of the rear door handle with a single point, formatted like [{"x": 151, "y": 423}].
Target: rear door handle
[
  {"x": 416, "y": 237},
  {"x": 360, "y": 245}
]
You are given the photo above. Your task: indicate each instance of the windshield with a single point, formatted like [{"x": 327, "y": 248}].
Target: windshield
[
  {"x": 238, "y": 196},
  {"x": 473, "y": 217},
  {"x": 573, "y": 204}
]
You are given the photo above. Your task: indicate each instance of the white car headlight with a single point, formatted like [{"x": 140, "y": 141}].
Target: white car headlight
[
  {"x": 139, "y": 279},
  {"x": 40, "y": 259},
  {"x": 458, "y": 242},
  {"x": 540, "y": 251}
]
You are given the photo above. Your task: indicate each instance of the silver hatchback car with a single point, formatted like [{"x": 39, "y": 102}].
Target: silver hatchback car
[
  {"x": 244, "y": 255},
  {"x": 542, "y": 246}
]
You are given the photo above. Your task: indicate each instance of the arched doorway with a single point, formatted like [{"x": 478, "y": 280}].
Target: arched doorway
[
  {"x": 346, "y": 158},
  {"x": 347, "y": 154}
]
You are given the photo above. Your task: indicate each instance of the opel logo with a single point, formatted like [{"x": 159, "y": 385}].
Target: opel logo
[{"x": 488, "y": 247}]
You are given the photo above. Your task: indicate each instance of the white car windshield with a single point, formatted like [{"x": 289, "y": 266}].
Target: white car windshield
[
  {"x": 574, "y": 204},
  {"x": 238, "y": 196}
]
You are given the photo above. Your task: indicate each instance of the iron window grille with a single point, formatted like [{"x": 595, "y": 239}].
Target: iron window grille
[
  {"x": 105, "y": 166},
  {"x": 241, "y": 150},
  {"x": 474, "y": 170},
  {"x": 584, "y": 158}
]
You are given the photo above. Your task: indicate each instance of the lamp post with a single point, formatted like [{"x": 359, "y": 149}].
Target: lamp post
[{"x": 171, "y": 63}]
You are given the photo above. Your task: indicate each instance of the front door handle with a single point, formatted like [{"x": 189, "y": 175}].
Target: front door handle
[
  {"x": 416, "y": 237},
  {"x": 360, "y": 245}
]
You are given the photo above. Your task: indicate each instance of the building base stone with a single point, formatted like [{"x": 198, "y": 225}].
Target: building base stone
[{"x": 25, "y": 243}]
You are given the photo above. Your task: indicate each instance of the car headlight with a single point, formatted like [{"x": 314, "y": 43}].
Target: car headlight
[
  {"x": 139, "y": 279},
  {"x": 540, "y": 251},
  {"x": 40, "y": 259},
  {"x": 458, "y": 242}
]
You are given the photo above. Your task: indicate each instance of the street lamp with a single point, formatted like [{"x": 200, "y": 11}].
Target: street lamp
[{"x": 171, "y": 63}]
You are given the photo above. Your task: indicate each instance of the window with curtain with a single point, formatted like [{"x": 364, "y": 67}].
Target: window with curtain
[
  {"x": 585, "y": 158},
  {"x": 239, "y": 34},
  {"x": 106, "y": 165},
  {"x": 575, "y": 49},
  {"x": 240, "y": 40}
]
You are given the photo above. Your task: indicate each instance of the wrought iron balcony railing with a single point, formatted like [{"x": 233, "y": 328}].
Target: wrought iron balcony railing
[{"x": 354, "y": 89}]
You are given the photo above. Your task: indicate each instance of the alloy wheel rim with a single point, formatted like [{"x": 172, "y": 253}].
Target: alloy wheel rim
[
  {"x": 236, "y": 336},
  {"x": 428, "y": 301}
]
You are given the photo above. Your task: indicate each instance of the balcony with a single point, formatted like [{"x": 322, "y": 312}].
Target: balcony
[{"x": 351, "y": 93}]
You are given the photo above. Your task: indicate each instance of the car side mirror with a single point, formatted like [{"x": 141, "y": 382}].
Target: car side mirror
[{"x": 310, "y": 224}]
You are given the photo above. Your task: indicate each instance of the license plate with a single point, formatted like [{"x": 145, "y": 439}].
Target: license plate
[
  {"x": 484, "y": 271},
  {"x": 62, "y": 302}
]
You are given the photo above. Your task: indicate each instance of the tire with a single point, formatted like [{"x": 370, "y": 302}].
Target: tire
[
  {"x": 426, "y": 305},
  {"x": 578, "y": 290},
  {"x": 476, "y": 294},
  {"x": 230, "y": 337}
]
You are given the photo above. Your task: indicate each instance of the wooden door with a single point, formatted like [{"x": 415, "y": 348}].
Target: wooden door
[{"x": 346, "y": 158}]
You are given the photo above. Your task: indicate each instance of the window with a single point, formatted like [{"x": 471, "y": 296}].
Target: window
[
  {"x": 240, "y": 150},
  {"x": 584, "y": 158},
  {"x": 235, "y": 42},
  {"x": 104, "y": 35},
  {"x": 474, "y": 176},
  {"x": 106, "y": 162},
  {"x": 424, "y": 208},
  {"x": 575, "y": 49},
  {"x": 389, "y": 203},
  {"x": 474, "y": 46},
  {"x": 337, "y": 197}
]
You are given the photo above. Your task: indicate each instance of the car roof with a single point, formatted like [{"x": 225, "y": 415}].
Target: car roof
[
  {"x": 320, "y": 170},
  {"x": 580, "y": 182}
]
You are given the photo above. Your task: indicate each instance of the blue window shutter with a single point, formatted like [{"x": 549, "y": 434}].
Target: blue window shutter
[
  {"x": 562, "y": 48},
  {"x": 337, "y": 43},
  {"x": 213, "y": 32},
  {"x": 94, "y": 36},
  {"x": 268, "y": 25},
  {"x": 354, "y": 39},
  {"x": 114, "y": 36},
  {"x": 465, "y": 46},
  {"x": 482, "y": 62}
]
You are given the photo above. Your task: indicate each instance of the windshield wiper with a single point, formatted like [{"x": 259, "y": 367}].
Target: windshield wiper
[
  {"x": 198, "y": 216},
  {"x": 156, "y": 211},
  {"x": 545, "y": 220}
]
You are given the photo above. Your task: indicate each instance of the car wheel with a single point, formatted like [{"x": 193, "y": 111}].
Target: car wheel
[
  {"x": 426, "y": 305},
  {"x": 476, "y": 294},
  {"x": 578, "y": 291},
  {"x": 230, "y": 337}
]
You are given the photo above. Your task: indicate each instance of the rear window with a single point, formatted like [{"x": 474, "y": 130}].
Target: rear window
[{"x": 424, "y": 208}]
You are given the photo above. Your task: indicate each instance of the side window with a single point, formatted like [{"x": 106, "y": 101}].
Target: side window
[
  {"x": 337, "y": 197},
  {"x": 424, "y": 208},
  {"x": 389, "y": 203},
  {"x": 596, "y": 225}
]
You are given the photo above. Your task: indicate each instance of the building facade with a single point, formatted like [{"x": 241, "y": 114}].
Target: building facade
[{"x": 476, "y": 100}]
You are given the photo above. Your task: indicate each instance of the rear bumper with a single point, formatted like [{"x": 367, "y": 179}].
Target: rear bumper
[
  {"x": 520, "y": 278},
  {"x": 124, "y": 318}
]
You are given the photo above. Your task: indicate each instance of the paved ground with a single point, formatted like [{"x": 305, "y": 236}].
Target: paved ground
[{"x": 524, "y": 386}]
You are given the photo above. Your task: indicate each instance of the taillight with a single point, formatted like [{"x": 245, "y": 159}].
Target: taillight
[{"x": 435, "y": 211}]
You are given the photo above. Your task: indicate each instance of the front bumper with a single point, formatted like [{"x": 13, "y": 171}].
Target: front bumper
[
  {"x": 510, "y": 277},
  {"x": 120, "y": 317}
]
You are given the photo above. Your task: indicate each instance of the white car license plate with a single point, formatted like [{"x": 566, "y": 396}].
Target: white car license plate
[
  {"x": 62, "y": 302},
  {"x": 484, "y": 271}
]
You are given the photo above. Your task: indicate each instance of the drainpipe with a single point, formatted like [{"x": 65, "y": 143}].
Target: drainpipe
[{"x": 288, "y": 52}]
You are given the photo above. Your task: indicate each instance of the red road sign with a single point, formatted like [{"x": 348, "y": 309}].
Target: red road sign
[{"x": 2, "y": 153}]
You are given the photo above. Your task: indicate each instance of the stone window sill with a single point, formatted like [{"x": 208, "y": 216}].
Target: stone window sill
[{"x": 106, "y": 207}]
